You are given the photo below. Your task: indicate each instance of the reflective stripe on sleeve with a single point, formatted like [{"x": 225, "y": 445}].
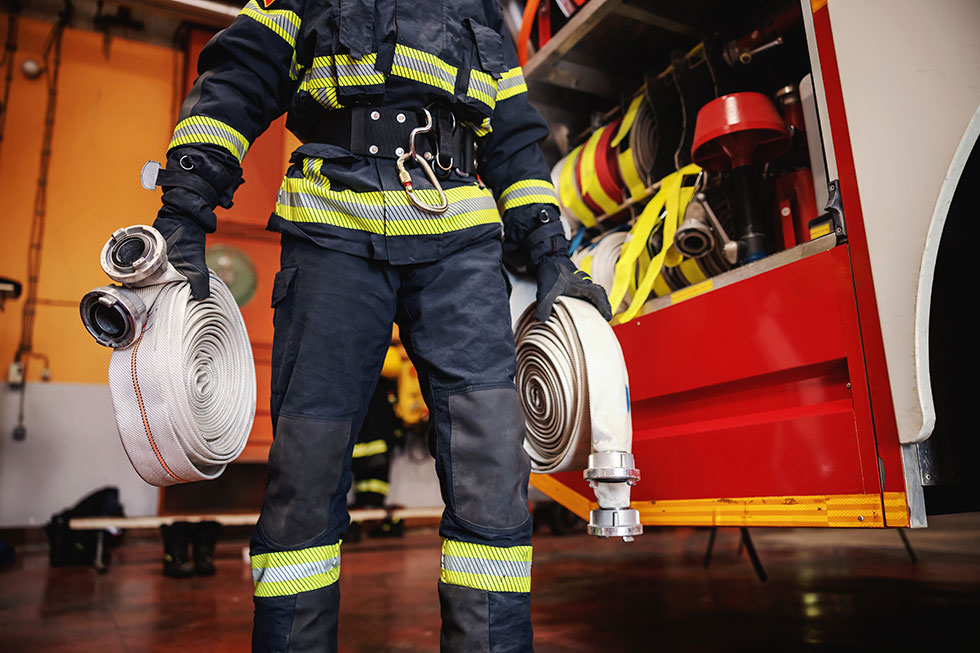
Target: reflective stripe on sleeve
[
  {"x": 200, "y": 129},
  {"x": 372, "y": 485},
  {"x": 491, "y": 568},
  {"x": 283, "y": 22},
  {"x": 511, "y": 83},
  {"x": 482, "y": 87},
  {"x": 528, "y": 191},
  {"x": 284, "y": 573}
]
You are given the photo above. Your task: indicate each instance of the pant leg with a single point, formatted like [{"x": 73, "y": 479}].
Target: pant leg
[
  {"x": 454, "y": 318},
  {"x": 332, "y": 327}
]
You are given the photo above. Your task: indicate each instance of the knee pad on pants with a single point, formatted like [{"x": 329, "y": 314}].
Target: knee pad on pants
[
  {"x": 489, "y": 467},
  {"x": 306, "y": 463}
]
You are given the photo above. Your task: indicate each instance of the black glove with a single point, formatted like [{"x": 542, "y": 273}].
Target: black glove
[
  {"x": 557, "y": 276},
  {"x": 185, "y": 250},
  {"x": 200, "y": 178}
]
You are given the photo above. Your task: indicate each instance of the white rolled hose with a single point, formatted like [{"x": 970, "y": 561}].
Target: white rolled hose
[
  {"x": 183, "y": 381},
  {"x": 574, "y": 388}
]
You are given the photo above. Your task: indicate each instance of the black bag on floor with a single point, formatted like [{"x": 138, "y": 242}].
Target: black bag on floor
[{"x": 68, "y": 547}]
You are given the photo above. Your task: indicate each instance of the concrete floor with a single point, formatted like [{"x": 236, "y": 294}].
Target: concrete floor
[{"x": 827, "y": 590}]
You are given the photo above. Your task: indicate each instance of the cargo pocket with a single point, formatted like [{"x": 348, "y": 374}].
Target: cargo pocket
[
  {"x": 281, "y": 285},
  {"x": 487, "y": 66}
]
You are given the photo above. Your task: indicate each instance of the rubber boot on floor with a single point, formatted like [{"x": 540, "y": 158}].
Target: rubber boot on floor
[
  {"x": 176, "y": 537},
  {"x": 204, "y": 538}
]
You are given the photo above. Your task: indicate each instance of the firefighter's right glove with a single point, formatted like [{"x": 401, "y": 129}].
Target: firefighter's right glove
[{"x": 185, "y": 248}]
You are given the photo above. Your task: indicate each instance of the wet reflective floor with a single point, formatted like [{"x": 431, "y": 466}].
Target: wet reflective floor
[{"x": 826, "y": 590}]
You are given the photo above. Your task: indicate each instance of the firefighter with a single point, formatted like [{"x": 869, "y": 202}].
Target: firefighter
[{"x": 415, "y": 126}]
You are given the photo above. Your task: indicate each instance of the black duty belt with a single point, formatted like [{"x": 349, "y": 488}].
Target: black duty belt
[{"x": 385, "y": 132}]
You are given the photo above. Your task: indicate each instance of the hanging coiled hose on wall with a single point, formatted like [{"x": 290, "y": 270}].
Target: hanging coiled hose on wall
[{"x": 181, "y": 375}]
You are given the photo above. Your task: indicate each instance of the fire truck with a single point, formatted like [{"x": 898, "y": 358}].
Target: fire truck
[{"x": 824, "y": 381}]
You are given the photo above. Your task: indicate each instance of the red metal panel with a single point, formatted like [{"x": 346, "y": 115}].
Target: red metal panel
[
  {"x": 746, "y": 390},
  {"x": 886, "y": 428}
]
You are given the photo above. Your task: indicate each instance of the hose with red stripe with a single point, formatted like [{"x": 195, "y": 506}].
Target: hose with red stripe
[{"x": 181, "y": 374}]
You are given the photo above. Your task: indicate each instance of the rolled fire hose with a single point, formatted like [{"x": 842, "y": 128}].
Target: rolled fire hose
[
  {"x": 575, "y": 392},
  {"x": 599, "y": 259},
  {"x": 597, "y": 172},
  {"x": 636, "y": 143},
  {"x": 181, "y": 374}
]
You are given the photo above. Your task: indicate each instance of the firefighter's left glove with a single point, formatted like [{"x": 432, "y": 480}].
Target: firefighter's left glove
[
  {"x": 185, "y": 250},
  {"x": 558, "y": 276}
]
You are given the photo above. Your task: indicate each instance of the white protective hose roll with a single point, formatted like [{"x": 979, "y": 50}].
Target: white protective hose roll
[
  {"x": 572, "y": 379},
  {"x": 184, "y": 392}
]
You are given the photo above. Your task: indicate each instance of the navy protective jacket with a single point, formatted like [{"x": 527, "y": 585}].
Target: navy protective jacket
[{"x": 316, "y": 59}]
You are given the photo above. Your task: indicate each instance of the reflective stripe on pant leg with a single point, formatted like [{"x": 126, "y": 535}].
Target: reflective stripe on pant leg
[
  {"x": 482, "y": 567},
  {"x": 281, "y": 573}
]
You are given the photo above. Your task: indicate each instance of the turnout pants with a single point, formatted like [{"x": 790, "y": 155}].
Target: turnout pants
[{"x": 333, "y": 316}]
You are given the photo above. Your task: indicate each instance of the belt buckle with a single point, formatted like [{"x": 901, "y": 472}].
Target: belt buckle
[{"x": 406, "y": 179}]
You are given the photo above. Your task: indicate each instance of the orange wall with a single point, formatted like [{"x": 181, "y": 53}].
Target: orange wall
[{"x": 112, "y": 116}]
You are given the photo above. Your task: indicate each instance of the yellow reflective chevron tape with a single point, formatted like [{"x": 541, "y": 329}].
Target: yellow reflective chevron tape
[
  {"x": 283, "y": 22},
  {"x": 307, "y": 199},
  {"x": 372, "y": 448},
  {"x": 372, "y": 485},
  {"x": 423, "y": 67},
  {"x": 200, "y": 129},
  {"x": 528, "y": 191},
  {"x": 284, "y": 573},
  {"x": 511, "y": 83},
  {"x": 490, "y": 568},
  {"x": 482, "y": 87}
]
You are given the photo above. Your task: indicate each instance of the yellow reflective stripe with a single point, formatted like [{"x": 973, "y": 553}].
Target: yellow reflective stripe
[
  {"x": 470, "y": 550},
  {"x": 482, "y": 87},
  {"x": 423, "y": 67},
  {"x": 482, "y": 129},
  {"x": 491, "y": 568},
  {"x": 283, "y": 22},
  {"x": 487, "y": 583},
  {"x": 285, "y": 558},
  {"x": 528, "y": 191},
  {"x": 200, "y": 129},
  {"x": 372, "y": 448},
  {"x": 372, "y": 485},
  {"x": 568, "y": 191},
  {"x": 384, "y": 212},
  {"x": 511, "y": 83},
  {"x": 357, "y": 72},
  {"x": 291, "y": 587}
]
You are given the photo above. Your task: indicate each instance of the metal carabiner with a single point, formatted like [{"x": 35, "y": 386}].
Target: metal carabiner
[{"x": 406, "y": 179}]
